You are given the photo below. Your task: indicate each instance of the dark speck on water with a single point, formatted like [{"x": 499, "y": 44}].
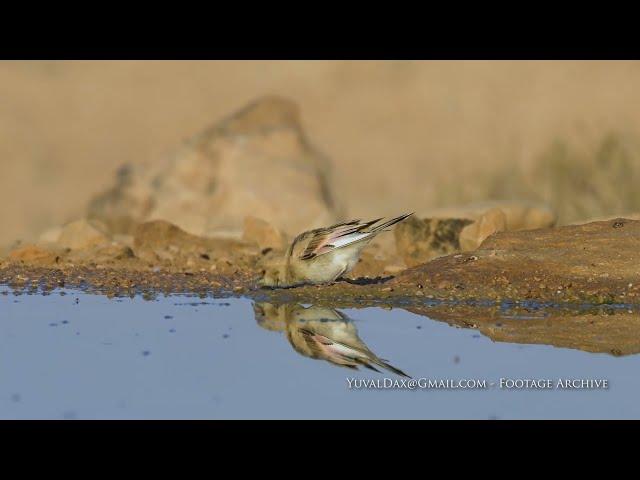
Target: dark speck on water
[
  {"x": 225, "y": 335},
  {"x": 146, "y": 353},
  {"x": 64, "y": 322},
  {"x": 172, "y": 330},
  {"x": 168, "y": 317},
  {"x": 53, "y": 324},
  {"x": 15, "y": 398},
  {"x": 419, "y": 327}
]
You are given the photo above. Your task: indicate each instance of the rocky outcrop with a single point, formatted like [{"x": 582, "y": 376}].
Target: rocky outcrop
[
  {"x": 595, "y": 262},
  {"x": 162, "y": 243},
  {"x": 257, "y": 162}
]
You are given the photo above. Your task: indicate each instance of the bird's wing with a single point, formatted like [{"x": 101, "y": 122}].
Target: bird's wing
[
  {"x": 335, "y": 352},
  {"x": 344, "y": 354},
  {"x": 324, "y": 240}
]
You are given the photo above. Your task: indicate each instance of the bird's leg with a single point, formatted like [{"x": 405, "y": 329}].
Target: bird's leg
[{"x": 344, "y": 270}]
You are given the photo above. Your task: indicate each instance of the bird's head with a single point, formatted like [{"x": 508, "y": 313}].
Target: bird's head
[{"x": 271, "y": 276}]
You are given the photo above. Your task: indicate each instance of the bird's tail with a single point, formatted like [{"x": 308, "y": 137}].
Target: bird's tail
[
  {"x": 387, "y": 224},
  {"x": 383, "y": 363}
]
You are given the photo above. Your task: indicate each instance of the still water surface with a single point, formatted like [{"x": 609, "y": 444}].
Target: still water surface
[{"x": 84, "y": 356}]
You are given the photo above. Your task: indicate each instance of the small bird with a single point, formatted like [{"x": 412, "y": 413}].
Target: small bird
[
  {"x": 323, "y": 255},
  {"x": 323, "y": 334}
]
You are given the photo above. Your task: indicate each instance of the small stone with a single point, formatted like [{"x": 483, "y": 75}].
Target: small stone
[{"x": 83, "y": 234}]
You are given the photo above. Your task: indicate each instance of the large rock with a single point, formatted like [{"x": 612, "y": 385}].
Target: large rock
[
  {"x": 595, "y": 262},
  {"x": 256, "y": 162},
  {"x": 82, "y": 234}
]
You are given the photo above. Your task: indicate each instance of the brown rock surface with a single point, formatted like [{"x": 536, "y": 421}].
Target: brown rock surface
[
  {"x": 256, "y": 162},
  {"x": 160, "y": 242},
  {"x": 35, "y": 255},
  {"x": 596, "y": 262}
]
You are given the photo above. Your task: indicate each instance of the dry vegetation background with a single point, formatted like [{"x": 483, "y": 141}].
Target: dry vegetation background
[{"x": 402, "y": 135}]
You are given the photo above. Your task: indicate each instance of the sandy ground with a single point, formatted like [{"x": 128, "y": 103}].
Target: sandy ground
[{"x": 395, "y": 130}]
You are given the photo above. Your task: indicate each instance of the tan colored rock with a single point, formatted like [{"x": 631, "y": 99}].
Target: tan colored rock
[
  {"x": 256, "y": 162},
  {"x": 35, "y": 254},
  {"x": 419, "y": 240},
  {"x": 519, "y": 215},
  {"x": 263, "y": 234},
  {"x": 486, "y": 225},
  {"x": 160, "y": 241},
  {"x": 82, "y": 234}
]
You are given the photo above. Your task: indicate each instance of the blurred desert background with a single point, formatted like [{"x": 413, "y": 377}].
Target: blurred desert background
[{"x": 400, "y": 135}]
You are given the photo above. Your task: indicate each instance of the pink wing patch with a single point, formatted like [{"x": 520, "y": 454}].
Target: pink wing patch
[{"x": 323, "y": 240}]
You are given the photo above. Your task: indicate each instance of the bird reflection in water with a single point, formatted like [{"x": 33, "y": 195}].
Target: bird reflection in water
[{"x": 321, "y": 333}]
